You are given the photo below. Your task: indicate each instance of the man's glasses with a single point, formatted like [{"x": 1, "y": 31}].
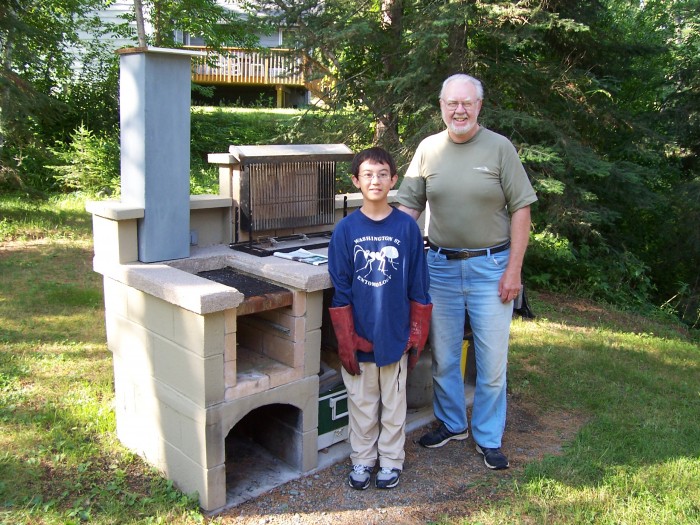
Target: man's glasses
[
  {"x": 370, "y": 176},
  {"x": 454, "y": 104}
]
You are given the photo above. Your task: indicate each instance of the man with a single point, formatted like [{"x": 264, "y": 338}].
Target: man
[{"x": 479, "y": 197}]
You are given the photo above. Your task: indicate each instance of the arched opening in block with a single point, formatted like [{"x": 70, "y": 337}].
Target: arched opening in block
[{"x": 263, "y": 449}]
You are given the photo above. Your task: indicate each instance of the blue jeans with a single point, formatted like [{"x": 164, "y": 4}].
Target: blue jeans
[{"x": 471, "y": 284}]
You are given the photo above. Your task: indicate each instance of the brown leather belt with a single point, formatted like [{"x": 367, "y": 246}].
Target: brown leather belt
[{"x": 468, "y": 254}]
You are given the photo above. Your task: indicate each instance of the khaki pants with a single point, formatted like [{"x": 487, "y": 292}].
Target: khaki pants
[{"x": 377, "y": 414}]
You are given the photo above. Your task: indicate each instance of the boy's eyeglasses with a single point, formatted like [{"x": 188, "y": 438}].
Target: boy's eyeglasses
[
  {"x": 452, "y": 105},
  {"x": 370, "y": 176}
]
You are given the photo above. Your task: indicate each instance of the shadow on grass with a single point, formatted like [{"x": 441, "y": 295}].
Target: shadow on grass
[
  {"x": 49, "y": 292},
  {"x": 24, "y": 218}
]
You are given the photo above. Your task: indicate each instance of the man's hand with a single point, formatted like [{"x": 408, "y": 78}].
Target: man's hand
[{"x": 510, "y": 285}]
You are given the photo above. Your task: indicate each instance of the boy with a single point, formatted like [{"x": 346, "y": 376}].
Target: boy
[{"x": 381, "y": 315}]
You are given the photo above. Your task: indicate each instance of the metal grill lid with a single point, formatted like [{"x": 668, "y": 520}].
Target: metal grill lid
[{"x": 281, "y": 153}]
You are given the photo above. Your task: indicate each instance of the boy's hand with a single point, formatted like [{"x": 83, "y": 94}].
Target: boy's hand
[
  {"x": 418, "y": 335},
  {"x": 348, "y": 341}
]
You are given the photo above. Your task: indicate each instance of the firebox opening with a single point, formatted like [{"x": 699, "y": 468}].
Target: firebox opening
[{"x": 262, "y": 449}]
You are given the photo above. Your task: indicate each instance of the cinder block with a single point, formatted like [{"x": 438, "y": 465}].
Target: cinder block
[
  {"x": 189, "y": 477},
  {"x": 312, "y": 353},
  {"x": 215, "y": 445},
  {"x": 230, "y": 347},
  {"x": 199, "y": 379},
  {"x": 302, "y": 394},
  {"x": 247, "y": 384},
  {"x": 225, "y": 180},
  {"x": 283, "y": 375},
  {"x": 149, "y": 311},
  {"x": 214, "y": 497},
  {"x": 214, "y": 379},
  {"x": 249, "y": 337},
  {"x": 230, "y": 321},
  {"x": 115, "y": 241},
  {"x": 288, "y": 352},
  {"x": 295, "y": 326},
  {"x": 171, "y": 424},
  {"x": 230, "y": 371},
  {"x": 314, "y": 310},
  {"x": 298, "y": 307},
  {"x": 145, "y": 426},
  {"x": 309, "y": 459},
  {"x": 201, "y": 334},
  {"x": 201, "y": 443},
  {"x": 132, "y": 344},
  {"x": 112, "y": 330},
  {"x": 115, "y": 297}
]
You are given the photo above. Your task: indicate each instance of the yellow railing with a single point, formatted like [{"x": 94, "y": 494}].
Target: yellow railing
[{"x": 242, "y": 66}]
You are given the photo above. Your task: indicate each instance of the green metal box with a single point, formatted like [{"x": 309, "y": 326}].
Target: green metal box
[{"x": 332, "y": 409}]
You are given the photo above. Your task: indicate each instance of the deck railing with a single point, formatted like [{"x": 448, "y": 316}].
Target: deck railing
[{"x": 243, "y": 66}]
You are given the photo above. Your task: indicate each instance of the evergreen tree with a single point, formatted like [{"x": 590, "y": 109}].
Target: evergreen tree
[{"x": 586, "y": 90}]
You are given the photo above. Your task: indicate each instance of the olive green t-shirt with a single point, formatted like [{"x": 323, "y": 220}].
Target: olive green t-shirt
[{"x": 471, "y": 188}]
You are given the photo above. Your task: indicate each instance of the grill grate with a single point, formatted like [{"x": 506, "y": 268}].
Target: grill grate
[{"x": 288, "y": 195}]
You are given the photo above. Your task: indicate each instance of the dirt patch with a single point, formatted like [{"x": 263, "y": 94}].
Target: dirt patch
[{"x": 445, "y": 483}]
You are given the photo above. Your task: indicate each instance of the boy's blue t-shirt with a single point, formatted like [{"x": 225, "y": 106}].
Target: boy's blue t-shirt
[{"x": 378, "y": 267}]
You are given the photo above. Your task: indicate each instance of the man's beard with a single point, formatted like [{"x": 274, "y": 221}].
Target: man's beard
[{"x": 463, "y": 128}]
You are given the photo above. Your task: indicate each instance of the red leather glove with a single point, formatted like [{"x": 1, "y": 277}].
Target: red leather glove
[
  {"x": 348, "y": 341},
  {"x": 418, "y": 336}
]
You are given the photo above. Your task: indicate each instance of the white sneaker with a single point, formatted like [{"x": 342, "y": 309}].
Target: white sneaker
[
  {"x": 359, "y": 477},
  {"x": 387, "y": 478}
]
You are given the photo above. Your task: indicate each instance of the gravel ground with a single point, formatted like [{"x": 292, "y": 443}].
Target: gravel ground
[{"x": 444, "y": 483}]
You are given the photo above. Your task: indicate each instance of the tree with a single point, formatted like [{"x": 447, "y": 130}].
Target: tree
[
  {"x": 208, "y": 19},
  {"x": 55, "y": 79},
  {"x": 35, "y": 43},
  {"x": 578, "y": 87}
]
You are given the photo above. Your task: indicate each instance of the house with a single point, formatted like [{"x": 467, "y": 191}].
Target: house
[
  {"x": 246, "y": 75},
  {"x": 270, "y": 74}
]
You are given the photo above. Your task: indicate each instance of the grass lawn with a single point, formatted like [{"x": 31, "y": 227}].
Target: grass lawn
[{"x": 636, "y": 461}]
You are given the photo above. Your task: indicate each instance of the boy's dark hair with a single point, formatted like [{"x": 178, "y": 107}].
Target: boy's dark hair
[{"x": 376, "y": 154}]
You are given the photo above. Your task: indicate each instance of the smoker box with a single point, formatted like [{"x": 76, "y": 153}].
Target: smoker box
[
  {"x": 284, "y": 191},
  {"x": 332, "y": 408}
]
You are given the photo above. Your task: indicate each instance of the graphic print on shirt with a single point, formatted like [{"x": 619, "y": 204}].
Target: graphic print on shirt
[{"x": 375, "y": 259}]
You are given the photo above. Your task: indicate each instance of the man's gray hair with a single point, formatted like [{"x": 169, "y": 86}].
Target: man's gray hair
[{"x": 461, "y": 77}]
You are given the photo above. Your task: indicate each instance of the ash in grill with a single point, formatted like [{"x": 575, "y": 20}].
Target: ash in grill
[{"x": 285, "y": 196}]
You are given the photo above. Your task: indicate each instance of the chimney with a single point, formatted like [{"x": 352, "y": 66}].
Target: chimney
[{"x": 154, "y": 98}]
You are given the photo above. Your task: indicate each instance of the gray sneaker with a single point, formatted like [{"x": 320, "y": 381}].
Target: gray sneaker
[
  {"x": 359, "y": 477},
  {"x": 387, "y": 478},
  {"x": 441, "y": 436}
]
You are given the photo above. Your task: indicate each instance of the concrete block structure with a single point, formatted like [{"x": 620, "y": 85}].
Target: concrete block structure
[
  {"x": 204, "y": 373},
  {"x": 193, "y": 358}
]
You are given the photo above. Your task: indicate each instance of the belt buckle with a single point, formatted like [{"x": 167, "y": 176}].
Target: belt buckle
[{"x": 460, "y": 254}]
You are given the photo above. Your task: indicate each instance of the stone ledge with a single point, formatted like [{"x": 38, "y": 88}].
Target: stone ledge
[
  {"x": 202, "y": 202},
  {"x": 174, "y": 286},
  {"x": 114, "y": 210},
  {"x": 292, "y": 274}
]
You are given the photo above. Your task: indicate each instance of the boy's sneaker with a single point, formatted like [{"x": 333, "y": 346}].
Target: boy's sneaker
[
  {"x": 359, "y": 477},
  {"x": 493, "y": 457},
  {"x": 387, "y": 478},
  {"x": 441, "y": 436}
]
